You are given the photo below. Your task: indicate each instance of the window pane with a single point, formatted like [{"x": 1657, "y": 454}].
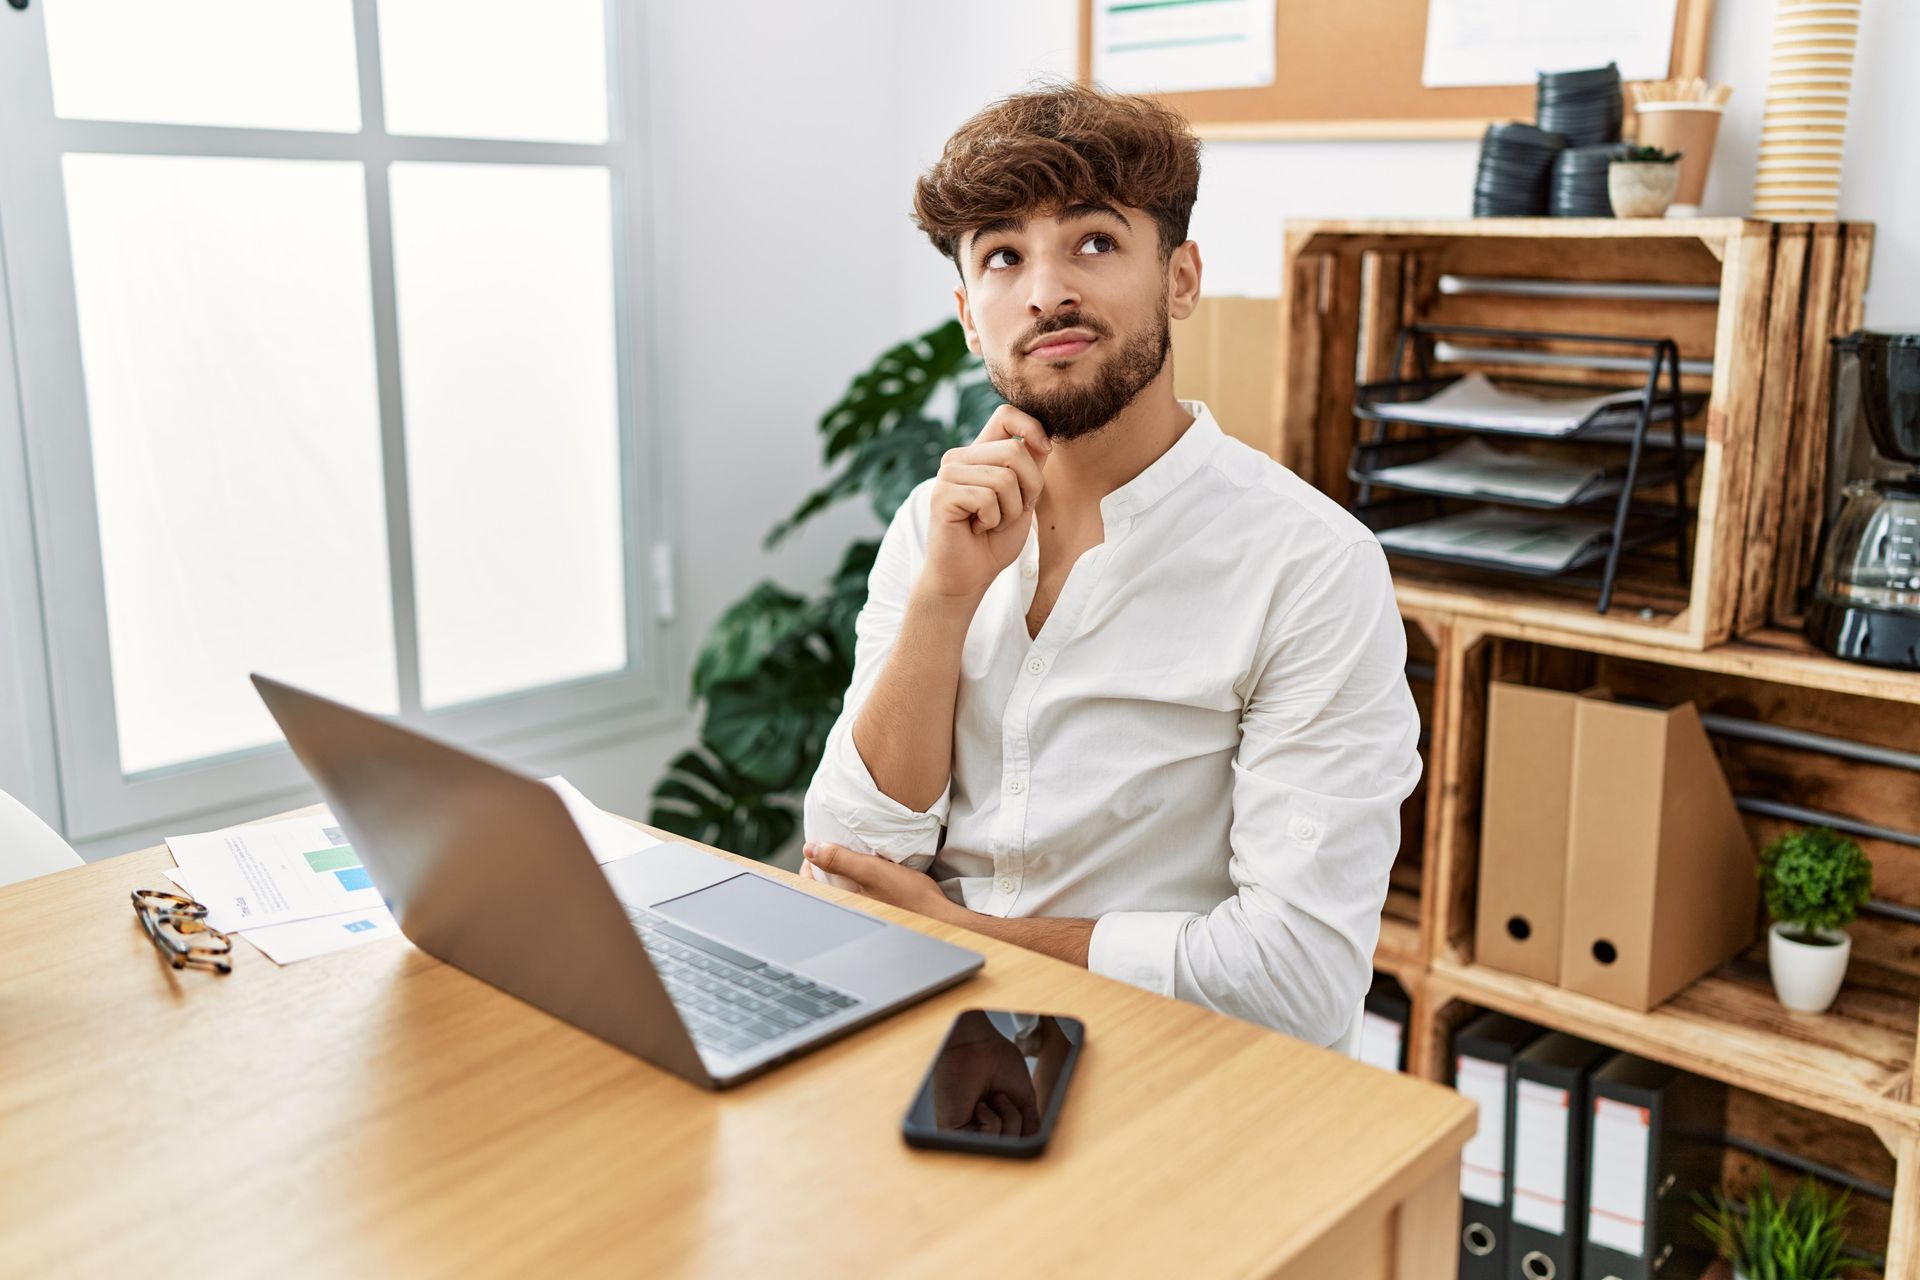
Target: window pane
[
  {"x": 225, "y": 329},
  {"x": 504, "y": 280},
  {"x": 495, "y": 69},
  {"x": 269, "y": 64}
]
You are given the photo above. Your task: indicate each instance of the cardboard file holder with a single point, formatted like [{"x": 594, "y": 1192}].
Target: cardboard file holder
[{"x": 1628, "y": 866}]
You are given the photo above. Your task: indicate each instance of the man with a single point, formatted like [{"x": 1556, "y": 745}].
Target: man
[{"x": 1130, "y": 691}]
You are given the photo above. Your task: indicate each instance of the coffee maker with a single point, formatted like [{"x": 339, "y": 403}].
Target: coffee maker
[{"x": 1866, "y": 602}]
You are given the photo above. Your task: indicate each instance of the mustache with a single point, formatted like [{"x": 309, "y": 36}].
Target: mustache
[{"x": 1072, "y": 320}]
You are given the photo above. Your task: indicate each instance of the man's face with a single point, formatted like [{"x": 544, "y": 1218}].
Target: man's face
[{"x": 1072, "y": 310}]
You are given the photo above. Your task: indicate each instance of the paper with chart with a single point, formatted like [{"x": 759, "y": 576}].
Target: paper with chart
[
  {"x": 1522, "y": 540},
  {"x": 1474, "y": 401},
  {"x": 1178, "y": 46},
  {"x": 1477, "y": 42},
  {"x": 272, "y": 874},
  {"x": 304, "y": 939},
  {"x": 1474, "y": 468}
]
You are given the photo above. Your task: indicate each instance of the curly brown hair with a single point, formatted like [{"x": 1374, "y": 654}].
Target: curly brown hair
[{"x": 1057, "y": 146}]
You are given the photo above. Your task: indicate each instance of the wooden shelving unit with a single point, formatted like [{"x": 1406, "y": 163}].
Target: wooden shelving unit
[
  {"x": 1757, "y": 306},
  {"x": 1856, "y": 1067}
]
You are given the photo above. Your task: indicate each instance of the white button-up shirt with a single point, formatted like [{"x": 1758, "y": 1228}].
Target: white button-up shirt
[{"x": 1205, "y": 748}]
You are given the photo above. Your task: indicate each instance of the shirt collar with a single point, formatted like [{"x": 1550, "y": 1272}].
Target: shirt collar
[{"x": 1165, "y": 473}]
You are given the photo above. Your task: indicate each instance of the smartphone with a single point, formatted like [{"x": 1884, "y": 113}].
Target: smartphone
[{"x": 997, "y": 1084}]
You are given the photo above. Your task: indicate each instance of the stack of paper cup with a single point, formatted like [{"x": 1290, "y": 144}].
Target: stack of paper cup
[{"x": 1804, "y": 130}]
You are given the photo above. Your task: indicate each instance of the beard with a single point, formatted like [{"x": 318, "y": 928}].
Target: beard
[{"x": 1069, "y": 412}]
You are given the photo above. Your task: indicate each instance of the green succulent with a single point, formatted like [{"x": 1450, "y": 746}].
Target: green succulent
[
  {"x": 1802, "y": 1237},
  {"x": 1647, "y": 155},
  {"x": 774, "y": 668},
  {"x": 1815, "y": 879}
]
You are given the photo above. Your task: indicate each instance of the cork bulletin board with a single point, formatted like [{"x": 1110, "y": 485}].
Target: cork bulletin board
[{"x": 1352, "y": 69}]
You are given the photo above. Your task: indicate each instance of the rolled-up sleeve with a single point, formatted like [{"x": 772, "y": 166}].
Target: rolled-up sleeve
[
  {"x": 1328, "y": 751},
  {"x": 843, "y": 806}
]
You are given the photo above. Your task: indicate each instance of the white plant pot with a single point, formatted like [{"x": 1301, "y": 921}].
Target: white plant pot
[
  {"x": 1807, "y": 977},
  {"x": 1641, "y": 189}
]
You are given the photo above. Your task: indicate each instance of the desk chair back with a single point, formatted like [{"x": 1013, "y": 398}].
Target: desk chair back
[{"x": 28, "y": 846}]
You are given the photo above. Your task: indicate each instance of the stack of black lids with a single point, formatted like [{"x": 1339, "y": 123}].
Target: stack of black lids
[
  {"x": 1579, "y": 188},
  {"x": 1516, "y": 169},
  {"x": 1584, "y": 105}
]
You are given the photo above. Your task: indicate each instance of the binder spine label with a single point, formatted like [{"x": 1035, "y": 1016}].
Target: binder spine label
[
  {"x": 1483, "y": 1165},
  {"x": 1540, "y": 1156},
  {"x": 1380, "y": 1041},
  {"x": 1617, "y": 1194}
]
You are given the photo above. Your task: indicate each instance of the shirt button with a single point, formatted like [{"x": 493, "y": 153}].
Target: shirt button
[
  {"x": 1016, "y": 786},
  {"x": 1028, "y": 569},
  {"x": 1006, "y": 884},
  {"x": 1036, "y": 666},
  {"x": 1303, "y": 829}
]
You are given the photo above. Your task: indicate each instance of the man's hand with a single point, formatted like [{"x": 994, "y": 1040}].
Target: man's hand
[
  {"x": 876, "y": 877},
  {"x": 888, "y": 881},
  {"x": 982, "y": 505}
]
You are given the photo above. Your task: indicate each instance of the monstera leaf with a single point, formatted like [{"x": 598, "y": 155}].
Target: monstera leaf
[
  {"x": 702, "y": 800},
  {"x": 771, "y": 727},
  {"x": 749, "y": 633},
  {"x": 898, "y": 385}
]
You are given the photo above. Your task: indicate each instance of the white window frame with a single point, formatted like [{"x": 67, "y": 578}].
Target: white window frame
[{"x": 98, "y": 801}]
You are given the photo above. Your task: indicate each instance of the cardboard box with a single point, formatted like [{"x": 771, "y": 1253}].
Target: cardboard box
[
  {"x": 1660, "y": 885},
  {"x": 1613, "y": 860},
  {"x": 1523, "y": 830}
]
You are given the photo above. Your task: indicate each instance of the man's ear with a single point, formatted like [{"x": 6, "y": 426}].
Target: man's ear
[
  {"x": 966, "y": 319},
  {"x": 1183, "y": 281}
]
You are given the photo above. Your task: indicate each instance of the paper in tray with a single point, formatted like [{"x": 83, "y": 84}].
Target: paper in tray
[
  {"x": 1538, "y": 542},
  {"x": 1475, "y": 469},
  {"x": 1474, "y": 401}
]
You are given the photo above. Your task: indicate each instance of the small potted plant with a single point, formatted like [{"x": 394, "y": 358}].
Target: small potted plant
[
  {"x": 1800, "y": 1238},
  {"x": 1815, "y": 882},
  {"x": 1641, "y": 183}
]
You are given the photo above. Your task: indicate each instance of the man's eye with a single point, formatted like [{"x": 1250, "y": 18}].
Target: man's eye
[
  {"x": 1105, "y": 241},
  {"x": 994, "y": 266}
]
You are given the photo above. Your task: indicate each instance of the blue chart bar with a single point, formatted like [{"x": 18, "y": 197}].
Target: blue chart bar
[{"x": 352, "y": 878}]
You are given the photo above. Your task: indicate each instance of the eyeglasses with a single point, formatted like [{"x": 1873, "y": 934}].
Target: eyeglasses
[{"x": 179, "y": 929}]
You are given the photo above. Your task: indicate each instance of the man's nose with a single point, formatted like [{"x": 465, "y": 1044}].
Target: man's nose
[{"x": 1050, "y": 290}]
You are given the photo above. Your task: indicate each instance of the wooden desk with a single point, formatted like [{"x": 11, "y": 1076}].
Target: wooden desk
[{"x": 377, "y": 1112}]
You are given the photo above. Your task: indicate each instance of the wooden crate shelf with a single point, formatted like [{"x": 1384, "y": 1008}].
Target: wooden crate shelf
[
  {"x": 1783, "y": 289},
  {"x": 1854, "y": 1062}
]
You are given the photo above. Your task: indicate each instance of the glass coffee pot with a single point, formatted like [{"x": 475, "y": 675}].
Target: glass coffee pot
[{"x": 1866, "y": 603}]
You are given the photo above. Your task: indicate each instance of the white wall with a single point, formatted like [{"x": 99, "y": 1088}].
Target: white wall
[{"x": 1247, "y": 188}]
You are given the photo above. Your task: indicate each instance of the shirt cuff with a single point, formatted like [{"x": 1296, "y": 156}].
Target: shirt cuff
[
  {"x": 1138, "y": 947},
  {"x": 847, "y": 807}
]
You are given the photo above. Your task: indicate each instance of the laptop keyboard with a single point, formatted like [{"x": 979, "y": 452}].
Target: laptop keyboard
[{"x": 729, "y": 1000}]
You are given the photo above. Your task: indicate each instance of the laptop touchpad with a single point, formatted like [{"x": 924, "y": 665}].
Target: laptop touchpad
[{"x": 772, "y": 921}]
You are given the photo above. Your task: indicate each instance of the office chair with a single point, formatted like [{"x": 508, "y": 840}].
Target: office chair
[{"x": 28, "y": 846}]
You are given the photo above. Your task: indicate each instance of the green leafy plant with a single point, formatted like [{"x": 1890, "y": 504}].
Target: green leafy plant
[
  {"x": 774, "y": 668},
  {"x": 1813, "y": 880},
  {"x": 1802, "y": 1237},
  {"x": 1647, "y": 155}
]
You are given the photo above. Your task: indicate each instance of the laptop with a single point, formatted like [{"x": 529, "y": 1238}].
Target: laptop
[{"x": 690, "y": 961}]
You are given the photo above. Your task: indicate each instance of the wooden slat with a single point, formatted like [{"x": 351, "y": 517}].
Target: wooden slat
[
  {"x": 1903, "y": 1243},
  {"x": 1803, "y": 472},
  {"x": 1297, "y": 366},
  {"x": 1777, "y": 370},
  {"x": 1728, "y": 1026},
  {"x": 1339, "y": 352},
  {"x": 1731, "y": 423}
]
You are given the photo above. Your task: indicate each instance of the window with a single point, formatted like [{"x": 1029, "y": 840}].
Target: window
[{"x": 320, "y": 311}]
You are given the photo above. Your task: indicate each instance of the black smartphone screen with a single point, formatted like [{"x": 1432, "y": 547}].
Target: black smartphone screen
[{"x": 997, "y": 1083}]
